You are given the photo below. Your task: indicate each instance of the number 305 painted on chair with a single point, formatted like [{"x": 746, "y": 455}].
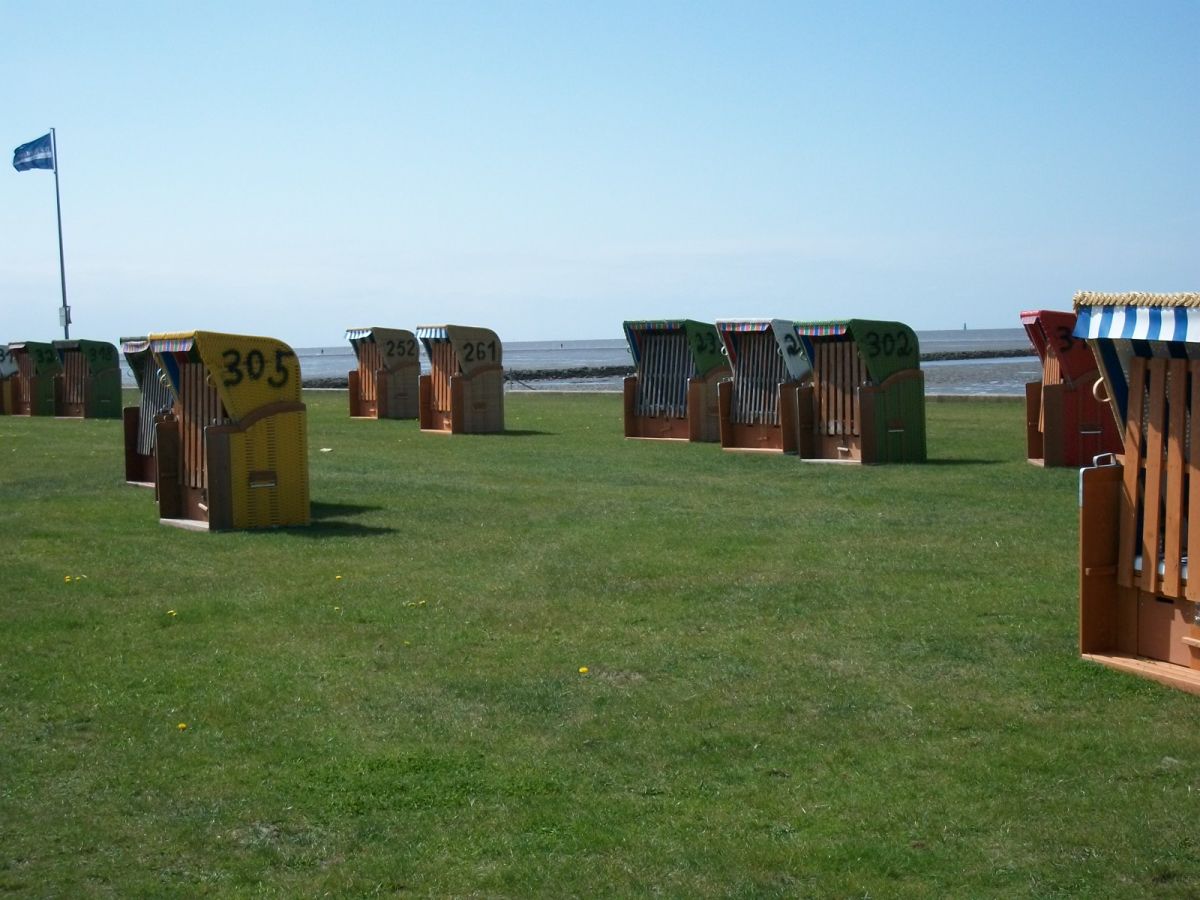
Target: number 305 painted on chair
[{"x": 252, "y": 366}]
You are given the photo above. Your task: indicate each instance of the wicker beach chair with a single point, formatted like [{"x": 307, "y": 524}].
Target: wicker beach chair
[
  {"x": 1065, "y": 425},
  {"x": 464, "y": 390},
  {"x": 234, "y": 452},
  {"x": 1137, "y": 604},
  {"x": 673, "y": 395}
]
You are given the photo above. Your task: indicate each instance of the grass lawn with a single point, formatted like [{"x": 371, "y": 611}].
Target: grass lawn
[{"x": 801, "y": 679}]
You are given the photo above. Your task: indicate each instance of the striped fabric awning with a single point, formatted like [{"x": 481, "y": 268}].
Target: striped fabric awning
[
  {"x": 744, "y": 325},
  {"x": 1144, "y": 325},
  {"x": 173, "y": 345},
  {"x": 1139, "y": 323},
  {"x": 655, "y": 325},
  {"x": 822, "y": 329},
  {"x": 433, "y": 333},
  {"x": 357, "y": 334},
  {"x": 133, "y": 346}
]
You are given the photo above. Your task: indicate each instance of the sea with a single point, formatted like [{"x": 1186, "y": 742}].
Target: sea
[{"x": 999, "y": 377}]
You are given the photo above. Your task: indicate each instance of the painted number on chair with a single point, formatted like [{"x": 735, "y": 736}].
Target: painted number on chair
[
  {"x": 253, "y": 366},
  {"x": 707, "y": 342},
  {"x": 1066, "y": 339},
  {"x": 479, "y": 351},
  {"x": 888, "y": 343},
  {"x": 402, "y": 348},
  {"x": 792, "y": 345}
]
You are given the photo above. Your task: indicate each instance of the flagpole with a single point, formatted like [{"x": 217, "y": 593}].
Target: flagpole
[{"x": 62, "y": 268}]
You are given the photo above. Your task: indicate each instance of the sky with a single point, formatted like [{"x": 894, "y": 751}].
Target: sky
[{"x": 551, "y": 169}]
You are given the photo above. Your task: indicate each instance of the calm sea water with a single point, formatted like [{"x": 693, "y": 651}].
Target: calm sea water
[{"x": 980, "y": 376}]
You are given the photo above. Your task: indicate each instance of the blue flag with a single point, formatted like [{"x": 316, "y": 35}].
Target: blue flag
[{"x": 37, "y": 154}]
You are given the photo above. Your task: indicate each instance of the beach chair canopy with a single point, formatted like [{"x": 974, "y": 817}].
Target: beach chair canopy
[
  {"x": 473, "y": 347},
  {"x": 1052, "y": 333},
  {"x": 247, "y": 372},
  {"x": 702, "y": 341},
  {"x": 97, "y": 356},
  {"x": 136, "y": 351},
  {"x": 885, "y": 347},
  {"x": 41, "y": 355},
  {"x": 8, "y": 365},
  {"x": 782, "y": 333},
  {"x": 1122, "y": 327},
  {"x": 394, "y": 347}
]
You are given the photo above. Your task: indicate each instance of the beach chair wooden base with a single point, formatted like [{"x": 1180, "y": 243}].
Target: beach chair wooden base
[
  {"x": 1135, "y": 613},
  {"x": 1157, "y": 670},
  {"x": 476, "y": 403},
  {"x": 394, "y": 395},
  {"x": 1066, "y": 427},
  {"x": 780, "y": 437},
  {"x": 700, "y": 424}
]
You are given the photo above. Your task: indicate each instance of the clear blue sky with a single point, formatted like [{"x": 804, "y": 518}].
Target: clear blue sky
[{"x": 549, "y": 169}]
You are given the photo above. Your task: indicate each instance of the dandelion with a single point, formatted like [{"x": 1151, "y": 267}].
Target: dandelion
[
  {"x": 170, "y": 612},
  {"x": 182, "y": 726},
  {"x": 337, "y": 577},
  {"x": 583, "y": 670},
  {"x": 67, "y": 579}
]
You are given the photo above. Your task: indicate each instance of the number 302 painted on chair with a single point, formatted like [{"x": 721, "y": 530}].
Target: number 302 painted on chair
[
  {"x": 237, "y": 368},
  {"x": 888, "y": 344}
]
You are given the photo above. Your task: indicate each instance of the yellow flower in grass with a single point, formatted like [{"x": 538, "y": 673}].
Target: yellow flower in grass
[
  {"x": 182, "y": 726},
  {"x": 171, "y": 612},
  {"x": 67, "y": 579},
  {"x": 583, "y": 670}
]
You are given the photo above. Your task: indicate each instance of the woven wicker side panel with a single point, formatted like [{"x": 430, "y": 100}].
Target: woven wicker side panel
[{"x": 759, "y": 372}]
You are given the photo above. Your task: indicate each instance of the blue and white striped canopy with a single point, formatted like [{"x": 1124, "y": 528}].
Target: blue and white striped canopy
[
  {"x": 1139, "y": 323},
  {"x": 1120, "y": 327}
]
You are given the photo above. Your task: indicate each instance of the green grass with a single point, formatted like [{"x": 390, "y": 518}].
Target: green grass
[{"x": 803, "y": 679}]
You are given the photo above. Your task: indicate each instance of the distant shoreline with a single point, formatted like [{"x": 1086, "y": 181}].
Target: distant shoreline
[{"x": 577, "y": 372}]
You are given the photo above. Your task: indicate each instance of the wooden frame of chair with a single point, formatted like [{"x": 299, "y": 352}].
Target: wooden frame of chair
[
  {"x": 864, "y": 399},
  {"x": 89, "y": 383},
  {"x": 154, "y": 399},
  {"x": 1137, "y": 605},
  {"x": 673, "y": 395},
  {"x": 463, "y": 393},
  {"x": 233, "y": 452},
  {"x": 757, "y": 404},
  {"x": 33, "y": 384},
  {"x": 1065, "y": 425},
  {"x": 386, "y": 383},
  {"x": 8, "y": 369}
]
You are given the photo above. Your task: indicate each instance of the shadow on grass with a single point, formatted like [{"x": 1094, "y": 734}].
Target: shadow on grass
[
  {"x": 328, "y": 520},
  {"x": 524, "y": 432},
  {"x": 318, "y": 510},
  {"x": 337, "y": 528},
  {"x": 963, "y": 462}
]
